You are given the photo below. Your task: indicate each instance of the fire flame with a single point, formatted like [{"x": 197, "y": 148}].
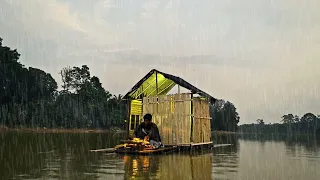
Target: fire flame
[{"x": 137, "y": 140}]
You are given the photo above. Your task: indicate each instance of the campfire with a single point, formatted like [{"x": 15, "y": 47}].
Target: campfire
[{"x": 135, "y": 144}]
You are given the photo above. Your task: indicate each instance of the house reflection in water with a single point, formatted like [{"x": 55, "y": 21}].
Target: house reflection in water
[
  {"x": 141, "y": 166},
  {"x": 167, "y": 167}
]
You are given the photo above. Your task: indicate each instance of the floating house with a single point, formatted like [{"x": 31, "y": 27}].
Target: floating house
[{"x": 183, "y": 119}]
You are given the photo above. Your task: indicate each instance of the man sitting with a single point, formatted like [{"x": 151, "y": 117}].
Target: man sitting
[{"x": 148, "y": 131}]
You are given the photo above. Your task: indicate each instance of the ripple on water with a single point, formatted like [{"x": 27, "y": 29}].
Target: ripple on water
[{"x": 224, "y": 164}]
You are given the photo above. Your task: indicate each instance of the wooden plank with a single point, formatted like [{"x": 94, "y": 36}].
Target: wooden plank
[
  {"x": 195, "y": 121},
  {"x": 175, "y": 119},
  {"x": 182, "y": 118},
  {"x": 183, "y": 129},
  {"x": 170, "y": 120},
  {"x": 207, "y": 121},
  {"x": 203, "y": 143},
  {"x": 202, "y": 122},
  {"x": 146, "y": 151},
  {"x": 202, "y": 126},
  {"x": 163, "y": 127},
  {"x": 201, "y": 130},
  {"x": 169, "y": 112},
  {"x": 187, "y": 116},
  {"x": 107, "y": 150}
]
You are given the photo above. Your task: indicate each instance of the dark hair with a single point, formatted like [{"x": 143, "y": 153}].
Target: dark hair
[{"x": 147, "y": 117}]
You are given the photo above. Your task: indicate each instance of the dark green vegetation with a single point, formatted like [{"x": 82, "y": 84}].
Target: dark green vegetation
[
  {"x": 291, "y": 124},
  {"x": 224, "y": 116},
  {"x": 29, "y": 98}
]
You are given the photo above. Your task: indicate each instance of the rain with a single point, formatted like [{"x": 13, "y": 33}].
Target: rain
[{"x": 232, "y": 88}]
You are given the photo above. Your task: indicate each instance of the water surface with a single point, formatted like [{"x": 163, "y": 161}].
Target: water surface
[{"x": 67, "y": 156}]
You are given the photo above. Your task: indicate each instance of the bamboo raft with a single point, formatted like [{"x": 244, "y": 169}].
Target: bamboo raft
[
  {"x": 141, "y": 147},
  {"x": 136, "y": 146}
]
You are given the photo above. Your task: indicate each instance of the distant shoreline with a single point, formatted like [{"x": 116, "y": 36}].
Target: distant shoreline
[{"x": 58, "y": 130}]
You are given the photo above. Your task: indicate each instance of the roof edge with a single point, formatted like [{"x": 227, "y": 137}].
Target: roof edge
[{"x": 175, "y": 79}]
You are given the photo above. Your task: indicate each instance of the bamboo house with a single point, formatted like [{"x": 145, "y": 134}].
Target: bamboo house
[{"x": 183, "y": 119}]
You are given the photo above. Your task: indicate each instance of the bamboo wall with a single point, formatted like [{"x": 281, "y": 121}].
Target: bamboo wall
[
  {"x": 201, "y": 131},
  {"x": 172, "y": 114}
]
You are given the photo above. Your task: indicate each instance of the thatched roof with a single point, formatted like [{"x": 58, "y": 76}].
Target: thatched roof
[{"x": 147, "y": 86}]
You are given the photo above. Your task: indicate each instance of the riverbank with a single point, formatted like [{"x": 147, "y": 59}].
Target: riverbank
[
  {"x": 80, "y": 130},
  {"x": 59, "y": 130}
]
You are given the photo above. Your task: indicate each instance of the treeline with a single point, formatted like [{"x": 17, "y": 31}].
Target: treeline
[
  {"x": 289, "y": 124},
  {"x": 29, "y": 97},
  {"x": 224, "y": 116}
]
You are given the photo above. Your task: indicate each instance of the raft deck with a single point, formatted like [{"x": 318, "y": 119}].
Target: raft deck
[{"x": 147, "y": 151}]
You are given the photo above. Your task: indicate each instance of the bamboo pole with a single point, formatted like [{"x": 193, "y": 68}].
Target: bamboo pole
[{"x": 157, "y": 83}]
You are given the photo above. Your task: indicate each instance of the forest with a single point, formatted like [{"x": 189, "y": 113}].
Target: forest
[
  {"x": 290, "y": 124},
  {"x": 29, "y": 97}
]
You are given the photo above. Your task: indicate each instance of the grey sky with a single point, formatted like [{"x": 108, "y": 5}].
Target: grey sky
[{"x": 261, "y": 55}]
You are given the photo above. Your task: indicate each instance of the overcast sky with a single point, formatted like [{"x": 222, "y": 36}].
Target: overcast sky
[{"x": 262, "y": 55}]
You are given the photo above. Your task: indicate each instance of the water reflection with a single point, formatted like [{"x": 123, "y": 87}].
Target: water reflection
[
  {"x": 226, "y": 161},
  {"x": 53, "y": 156},
  {"x": 66, "y": 156},
  {"x": 308, "y": 143},
  {"x": 170, "y": 166},
  {"x": 140, "y": 166},
  {"x": 279, "y": 157}
]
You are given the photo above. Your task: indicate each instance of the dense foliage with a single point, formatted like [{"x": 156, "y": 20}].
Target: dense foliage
[
  {"x": 29, "y": 97},
  {"x": 291, "y": 124},
  {"x": 224, "y": 116}
]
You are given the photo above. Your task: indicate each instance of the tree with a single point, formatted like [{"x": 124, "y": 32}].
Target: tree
[
  {"x": 287, "y": 119},
  {"x": 74, "y": 78},
  {"x": 260, "y": 121},
  {"x": 96, "y": 107},
  {"x": 310, "y": 122},
  {"x": 224, "y": 116},
  {"x": 11, "y": 72},
  {"x": 308, "y": 117},
  {"x": 24, "y": 93}
]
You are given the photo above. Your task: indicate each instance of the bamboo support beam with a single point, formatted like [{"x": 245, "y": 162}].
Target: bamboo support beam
[
  {"x": 149, "y": 84},
  {"x": 157, "y": 83},
  {"x": 156, "y": 89}
]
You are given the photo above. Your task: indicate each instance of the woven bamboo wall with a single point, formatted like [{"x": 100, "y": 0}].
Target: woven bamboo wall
[
  {"x": 201, "y": 132},
  {"x": 172, "y": 114}
]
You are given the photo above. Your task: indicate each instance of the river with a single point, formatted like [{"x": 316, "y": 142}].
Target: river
[{"x": 67, "y": 156}]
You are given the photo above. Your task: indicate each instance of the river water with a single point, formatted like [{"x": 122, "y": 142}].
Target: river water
[{"x": 67, "y": 156}]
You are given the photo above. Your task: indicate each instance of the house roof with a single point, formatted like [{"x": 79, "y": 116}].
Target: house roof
[{"x": 147, "y": 86}]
